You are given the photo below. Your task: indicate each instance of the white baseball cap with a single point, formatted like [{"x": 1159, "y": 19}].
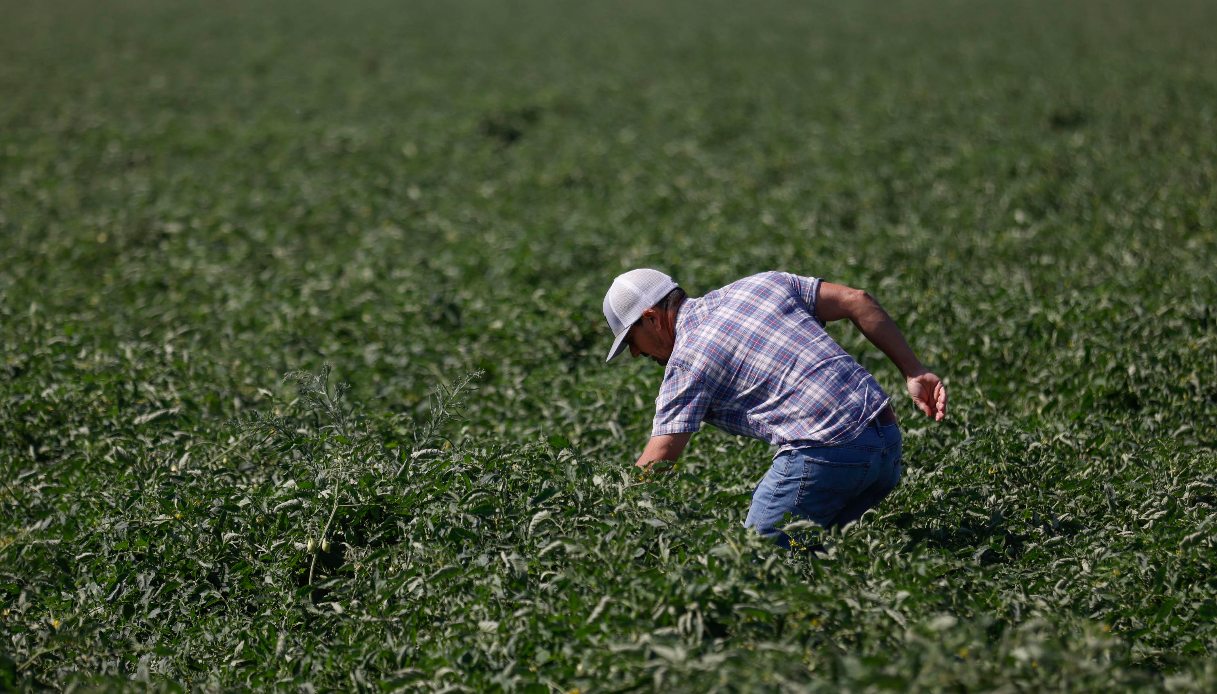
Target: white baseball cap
[{"x": 631, "y": 294}]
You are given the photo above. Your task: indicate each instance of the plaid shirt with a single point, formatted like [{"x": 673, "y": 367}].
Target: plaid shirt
[{"x": 753, "y": 358}]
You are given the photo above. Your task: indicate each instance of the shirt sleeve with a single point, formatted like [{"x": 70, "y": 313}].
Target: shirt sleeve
[
  {"x": 682, "y": 403},
  {"x": 808, "y": 289}
]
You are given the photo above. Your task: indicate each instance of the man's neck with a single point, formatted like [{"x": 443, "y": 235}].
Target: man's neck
[{"x": 674, "y": 314}]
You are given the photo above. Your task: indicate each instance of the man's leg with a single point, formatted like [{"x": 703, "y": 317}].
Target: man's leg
[
  {"x": 889, "y": 469},
  {"x": 869, "y": 498},
  {"x": 829, "y": 485},
  {"x": 775, "y": 495},
  {"x": 812, "y": 483}
]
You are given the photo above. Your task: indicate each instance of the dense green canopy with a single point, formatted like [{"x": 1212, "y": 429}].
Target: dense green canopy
[{"x": 432, "y": 197}]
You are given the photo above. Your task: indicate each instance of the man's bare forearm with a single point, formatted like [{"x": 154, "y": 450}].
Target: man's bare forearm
[
  {"x": 925, "y": 388},
  {"x": 881, "y": 330},
  {"x": 663, "y": 447}
]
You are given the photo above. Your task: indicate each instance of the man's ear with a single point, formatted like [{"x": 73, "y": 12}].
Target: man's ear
[{"x": 650, "y": 315}]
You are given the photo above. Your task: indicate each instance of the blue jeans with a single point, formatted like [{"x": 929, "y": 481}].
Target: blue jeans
[{"x": 829, "y": 485}]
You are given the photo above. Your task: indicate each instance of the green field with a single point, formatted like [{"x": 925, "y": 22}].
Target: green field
[{"x": 199, "y": 198}]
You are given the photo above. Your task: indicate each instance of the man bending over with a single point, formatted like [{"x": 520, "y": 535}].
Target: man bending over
[{"x": 753, "y": 358}]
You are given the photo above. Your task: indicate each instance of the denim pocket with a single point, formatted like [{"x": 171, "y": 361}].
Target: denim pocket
[
  {"x": 828, "y": 486},
  {"x": 834, "y": 477}
]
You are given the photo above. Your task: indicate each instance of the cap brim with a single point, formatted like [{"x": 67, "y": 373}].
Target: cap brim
[{"x": 618, "y": 346}]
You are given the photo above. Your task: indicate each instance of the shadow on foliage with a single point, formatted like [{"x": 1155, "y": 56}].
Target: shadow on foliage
[
  {"x": 990, "y": 541},
  {"x": 507, "y": 127}
]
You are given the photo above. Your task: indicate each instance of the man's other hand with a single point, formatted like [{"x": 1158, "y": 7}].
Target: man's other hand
[
  {"x": 656, "y": 467},
  {"x": 665, "y": 447},
  {"x": 929, "y": 394}
]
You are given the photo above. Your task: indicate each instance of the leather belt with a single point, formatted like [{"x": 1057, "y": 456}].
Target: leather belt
[{"x": 885, "y": 417}]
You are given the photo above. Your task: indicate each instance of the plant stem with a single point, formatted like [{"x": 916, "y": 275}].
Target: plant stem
[{"x": 324, "y": 533}]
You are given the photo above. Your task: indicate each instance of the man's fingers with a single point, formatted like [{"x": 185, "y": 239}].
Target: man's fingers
[
  {"x": 930, "y": 395},
  {"x": 918, "y": 398}
]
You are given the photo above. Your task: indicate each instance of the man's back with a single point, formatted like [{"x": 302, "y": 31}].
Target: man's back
[{"x": 753, "y": 358}]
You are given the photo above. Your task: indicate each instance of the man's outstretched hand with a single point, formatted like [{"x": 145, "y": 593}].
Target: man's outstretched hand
[
  {"x": 665, "y": 447},
  {"x": 655, "y": 468},
  {"x": 929, "y": 394}
]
